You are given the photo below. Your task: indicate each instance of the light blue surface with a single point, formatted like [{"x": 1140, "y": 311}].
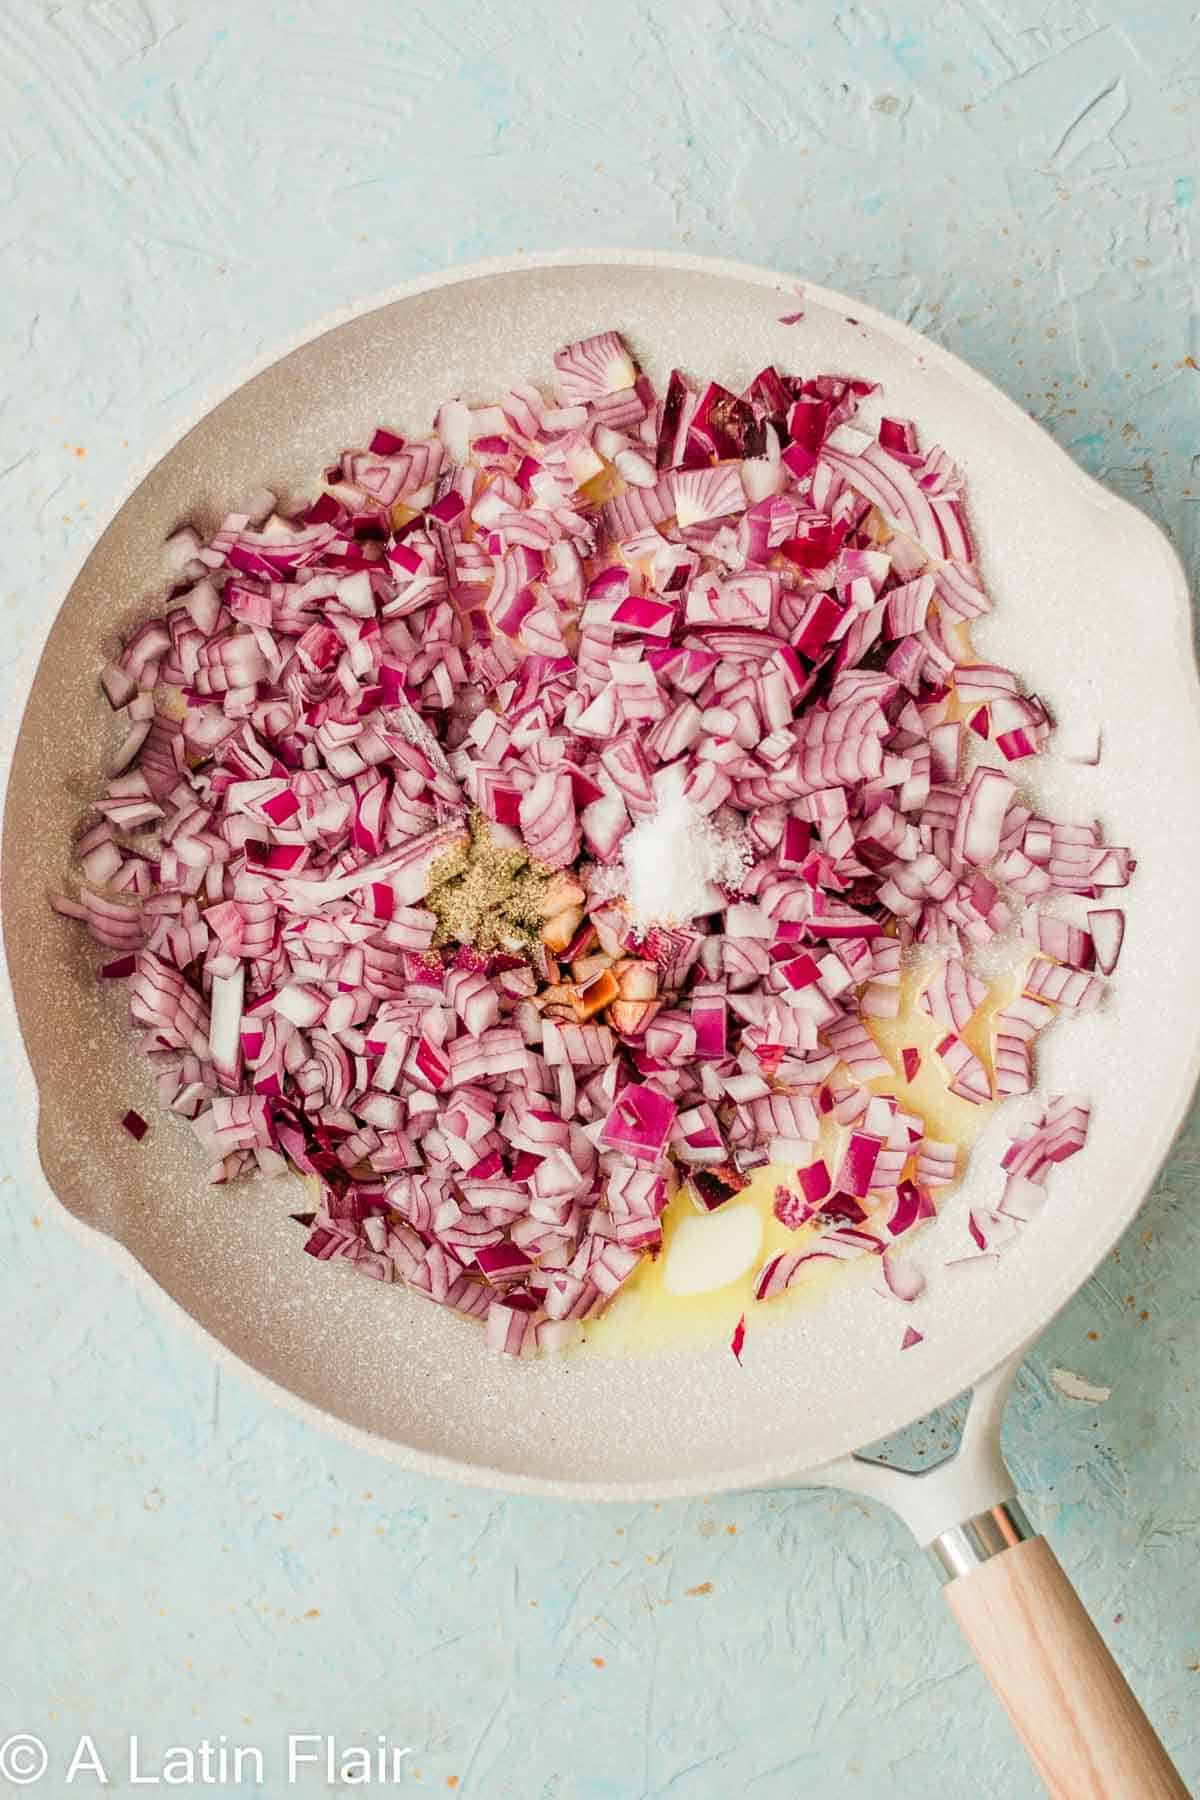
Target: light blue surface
[{"x": 182, "y": 182}]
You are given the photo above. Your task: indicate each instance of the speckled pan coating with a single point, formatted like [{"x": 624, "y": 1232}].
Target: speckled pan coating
[{"x": 1091, "y": 607}]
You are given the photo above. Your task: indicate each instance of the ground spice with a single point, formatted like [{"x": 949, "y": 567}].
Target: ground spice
[{"x": 488, "y": 895}]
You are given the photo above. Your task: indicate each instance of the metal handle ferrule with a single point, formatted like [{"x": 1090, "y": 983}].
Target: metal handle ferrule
[{"x": 965, "y": 1547}]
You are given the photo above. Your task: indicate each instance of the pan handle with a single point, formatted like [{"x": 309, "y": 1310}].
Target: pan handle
[
  {"x": 1075, "y": 1713},
  {"x": 1069, "y": 1702}
]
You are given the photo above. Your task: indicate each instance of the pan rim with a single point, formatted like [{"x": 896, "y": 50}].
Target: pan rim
[{"x": 779, "y": 1468}]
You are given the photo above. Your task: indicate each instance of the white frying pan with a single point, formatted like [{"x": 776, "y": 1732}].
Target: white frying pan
[{"x": 1091, "y": 607}]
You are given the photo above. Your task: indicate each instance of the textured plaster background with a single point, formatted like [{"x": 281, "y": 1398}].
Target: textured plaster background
[{"x": 182, "y": 182}]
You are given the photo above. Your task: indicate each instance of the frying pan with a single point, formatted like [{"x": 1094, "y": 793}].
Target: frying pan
[{"x": 1091, "y": 606}]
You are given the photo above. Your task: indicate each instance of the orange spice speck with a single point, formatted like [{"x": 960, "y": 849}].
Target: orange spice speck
[
  {"x": 704, "y": 1588},
  {"x": 276, "y": 1515},
  {"x": 452, "y": 1781},
  {"x": 598, "y": 1661},
  {"x": 79, "y": 450},
  {"x": 732, "y": 1530},
  {"x": 312, "y": 1613},
  {"x": 37, "y": 1223}
]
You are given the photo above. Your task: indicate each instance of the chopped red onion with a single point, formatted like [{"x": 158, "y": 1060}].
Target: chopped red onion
[
  {"x": 968, "y": 1077},
  {"x": 1107, "y": 926},
  {"x": 1048, "y": 981},
  {"x": 783, "y": 1270},
  {"x": 902, "y": 1280},
  {"x": 1059, "y": 1132},
  {"x": 558, "y": 615},
  {"x": 937, "y": 1163},
  {"x": 953, "y": 994}
]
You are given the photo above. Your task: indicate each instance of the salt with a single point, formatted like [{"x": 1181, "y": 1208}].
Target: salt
[{"x": 673, "y": 860}]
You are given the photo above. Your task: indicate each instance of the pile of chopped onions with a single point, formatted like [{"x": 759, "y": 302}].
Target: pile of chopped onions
[{"x": 535, "y": 613}]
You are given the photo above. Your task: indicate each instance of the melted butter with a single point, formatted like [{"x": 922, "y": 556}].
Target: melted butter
[
  {"x": 645, "y": 1316},
  {"x": 711, "y": 1250}
]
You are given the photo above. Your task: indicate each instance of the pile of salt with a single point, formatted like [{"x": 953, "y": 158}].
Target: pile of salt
[{"x": 672, "y": 860}]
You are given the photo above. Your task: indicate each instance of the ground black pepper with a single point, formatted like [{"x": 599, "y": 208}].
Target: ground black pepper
[{"x": 488, "y": 895}]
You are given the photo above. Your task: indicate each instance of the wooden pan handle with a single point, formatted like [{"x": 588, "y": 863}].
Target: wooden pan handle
[{"x": 1072, "y": 1707}]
